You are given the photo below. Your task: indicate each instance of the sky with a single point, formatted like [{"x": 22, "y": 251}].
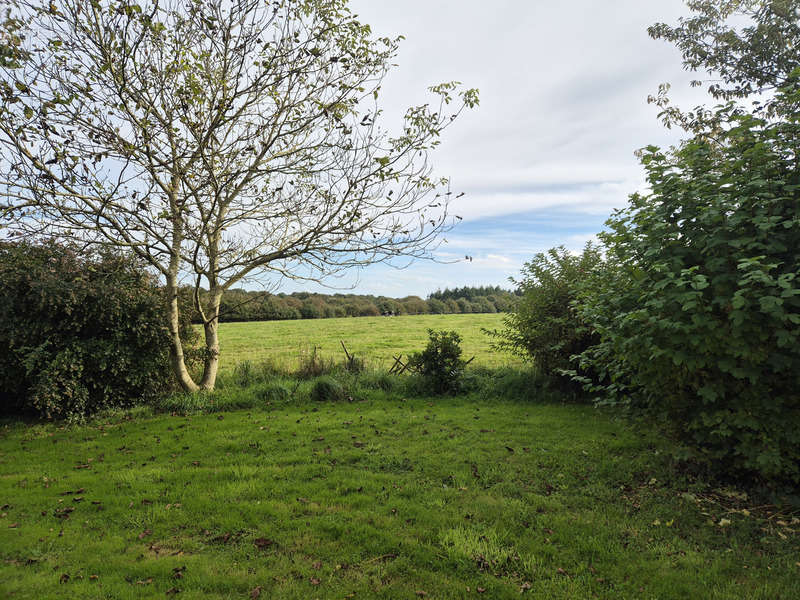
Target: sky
[{"x": 549, "y": 154}]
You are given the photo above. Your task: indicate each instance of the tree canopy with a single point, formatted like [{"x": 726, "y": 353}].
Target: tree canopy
[{"x": 215, "y": 141}]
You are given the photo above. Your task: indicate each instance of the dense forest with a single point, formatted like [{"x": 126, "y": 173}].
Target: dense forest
[{"x": 243, "y": 305}]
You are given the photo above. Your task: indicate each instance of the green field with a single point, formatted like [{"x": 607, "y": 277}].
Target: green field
[
  {"x": 501, "y": 492},
  {"x": 375, "y": 339},
  {"x": 381, "y": 498}
]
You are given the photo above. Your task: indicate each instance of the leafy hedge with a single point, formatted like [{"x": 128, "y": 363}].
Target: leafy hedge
[
  {"x": 698, "y": 308},
  {"x": 78, "y": 333}
]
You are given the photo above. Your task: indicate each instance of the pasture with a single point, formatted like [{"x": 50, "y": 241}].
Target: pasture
[{"x": 375, "y": 339}]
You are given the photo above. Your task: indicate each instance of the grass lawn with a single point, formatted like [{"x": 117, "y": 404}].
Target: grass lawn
[
  {"x": 375, "y": 339},
  {"x": 382, "y": 498}
]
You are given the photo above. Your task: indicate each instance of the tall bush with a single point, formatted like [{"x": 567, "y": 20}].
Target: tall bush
[
  {"x": 440, "y": 363},
  {"x": 700, "y": 321},
  {"x": 542, "y": 326},
  {"x": 77, "y": 333}
]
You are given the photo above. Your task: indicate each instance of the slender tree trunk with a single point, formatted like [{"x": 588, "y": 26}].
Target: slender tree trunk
[
  {"x": 173, "y": 310},
  {"x": 212, "y": 342},
  {"x": 176, "y": 345}
]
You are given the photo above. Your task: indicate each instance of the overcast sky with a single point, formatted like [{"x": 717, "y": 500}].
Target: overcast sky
[{"x": 550, "y": 151}]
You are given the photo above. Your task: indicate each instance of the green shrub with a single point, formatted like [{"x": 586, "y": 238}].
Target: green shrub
[
  {"x": 78, "y": 332},
  {"x": 542, "y": 326},
  {"x": 699, "y": 307},
  {"x": 273, "y": 393},
  {"x": 327, "y": 389},
  {"x": 440, "y": 363}
]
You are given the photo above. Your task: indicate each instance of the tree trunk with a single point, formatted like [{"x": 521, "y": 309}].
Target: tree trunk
[
  {"x": 176, "y": 345},
  {"x": 212, "y": 342}
]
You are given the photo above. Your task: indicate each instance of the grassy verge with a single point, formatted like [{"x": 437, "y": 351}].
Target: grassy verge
[
  {"x": 375, "y": 338},
  {"x": 379, "y": 497}
]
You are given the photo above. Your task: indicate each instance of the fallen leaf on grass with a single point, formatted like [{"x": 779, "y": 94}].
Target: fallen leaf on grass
[
  {"x": 480, "y": 590},
  {"x": 145, "y": 533},
  {"x": 561, "y": 571},
  {"x": 147, "y": 581},
  {"x": 93, "y": 577},
  {"x": 314, "y": 581},
  {"x": 525, "y": 587},
  {"x": 262, "y": 543},
  {"x": 317, "y": 565},
  {"x": 63, "y": 513},
  {"x": 13, "y": 525},
  {"x": 173, "y": 591},
  {"x": 255, "y": 592}
]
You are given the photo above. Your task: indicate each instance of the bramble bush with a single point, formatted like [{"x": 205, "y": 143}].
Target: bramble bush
[{"x": 79, "y": 333}]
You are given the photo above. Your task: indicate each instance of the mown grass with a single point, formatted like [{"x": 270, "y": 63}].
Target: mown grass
[
  {"x": 383, "y": 496},
  {"x": 375, "y": 339}
]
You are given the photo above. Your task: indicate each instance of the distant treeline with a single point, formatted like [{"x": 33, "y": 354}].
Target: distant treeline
[{"x": 243, "y": 305}]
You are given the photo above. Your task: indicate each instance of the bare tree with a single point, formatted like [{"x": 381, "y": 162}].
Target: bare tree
[{"x": 216, "y": 140}]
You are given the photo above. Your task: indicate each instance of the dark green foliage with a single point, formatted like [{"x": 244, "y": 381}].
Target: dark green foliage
[
  {"x": 327, "y": 389},
  {"x": 243, "y": 305},
  {"x": 78, "y": 333},
  {"x": 469, "y": 293},
  {"x": 542, "y": 326},
  {"x": 701, "y": 320},
  {"x": 440, "y": 363},
  {"x": 698, "y": 304}
]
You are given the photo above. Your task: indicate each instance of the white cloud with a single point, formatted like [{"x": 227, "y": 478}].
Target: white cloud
[{"x": 563, "y": 108}]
